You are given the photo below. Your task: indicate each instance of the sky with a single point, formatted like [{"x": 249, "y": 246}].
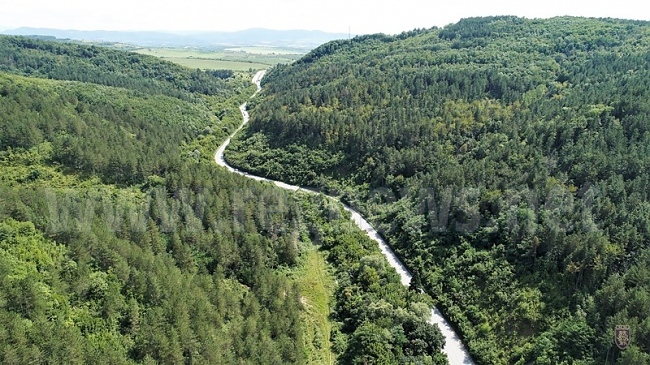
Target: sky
[{"x": 340, "y": 16}]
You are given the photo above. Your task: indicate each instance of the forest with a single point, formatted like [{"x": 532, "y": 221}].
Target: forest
[
  {"x": 506, "y": 160},
  {"x": 121, "y": 242}
]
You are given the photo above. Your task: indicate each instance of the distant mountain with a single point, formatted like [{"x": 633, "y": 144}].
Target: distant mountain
[{"x": 249, "y": 37}]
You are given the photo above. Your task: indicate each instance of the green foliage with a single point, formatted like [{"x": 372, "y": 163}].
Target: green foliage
[
  {"x": 104, "y": 66},
  {"x": 164, "y": 275},
  {"x": 505, "y": 159},
  {"x": 84, "y": 123},
  {"x": 178, "y": 262},
  {"x": 378, "y": 320}
]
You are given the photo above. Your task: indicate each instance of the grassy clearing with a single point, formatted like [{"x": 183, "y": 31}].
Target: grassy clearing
[{"x": 316, "y": 283}]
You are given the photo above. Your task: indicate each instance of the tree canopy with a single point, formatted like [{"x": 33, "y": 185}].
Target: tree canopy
[
  {"x": 122, "y": 243},
  {"x": 505, "y": 159},
  {"x": 118, "y": 241}
]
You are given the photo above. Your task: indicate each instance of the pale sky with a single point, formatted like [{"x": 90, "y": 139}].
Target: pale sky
[{"x": 361, "y": 16}]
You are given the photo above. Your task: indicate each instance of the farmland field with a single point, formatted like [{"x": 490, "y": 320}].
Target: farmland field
[
  {"x": 210, "y": 64},
  {"x": 239, "y": 58},
  {"x": 266, "y": 50}
]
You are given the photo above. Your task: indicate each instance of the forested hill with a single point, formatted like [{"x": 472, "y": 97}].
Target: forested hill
[
  {"x": 505, "y": 159},
  {"x": 67, "y": 61},
  {"x": 121, "y": 242},
  {"x": 147, "y": 107},
  {"x": 117, "y": 238}
]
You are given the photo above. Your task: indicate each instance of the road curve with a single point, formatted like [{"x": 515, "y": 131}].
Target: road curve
[{"x": 454, "y": 348}]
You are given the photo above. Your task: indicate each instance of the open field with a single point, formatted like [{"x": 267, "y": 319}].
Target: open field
[
  {"x": 239, "y": 58},
  {"x": 266, "y": 50},
  {"x": 315, "y": 283},
  {"x": 205, "y": 64}
]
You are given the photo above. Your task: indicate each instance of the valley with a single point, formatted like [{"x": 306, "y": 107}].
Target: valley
[
  {"x": 118, "y": 234},
  {"x": 453, "y": 348},
  {"x": 500, "y": 157},
  {"x": 468, "y": 194}
]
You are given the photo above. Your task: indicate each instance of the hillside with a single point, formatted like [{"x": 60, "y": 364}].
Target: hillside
[
  {"x": 107, "y": 252},
  {"x": 102, "y": 66},
  {"x": 122, "y": 243},
  {"x": 505, "y": 159}
]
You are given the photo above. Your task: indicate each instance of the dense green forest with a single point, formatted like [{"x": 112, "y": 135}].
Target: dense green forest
[
  {"x": 104, "y": 66},
  {"x": 505, "y": 159},
  {"x": 121, "y": 242},
  {"x": 377, "y": 320}
]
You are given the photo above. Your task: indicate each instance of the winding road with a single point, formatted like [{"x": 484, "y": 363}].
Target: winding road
[{"x": 454, "y": 348}]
